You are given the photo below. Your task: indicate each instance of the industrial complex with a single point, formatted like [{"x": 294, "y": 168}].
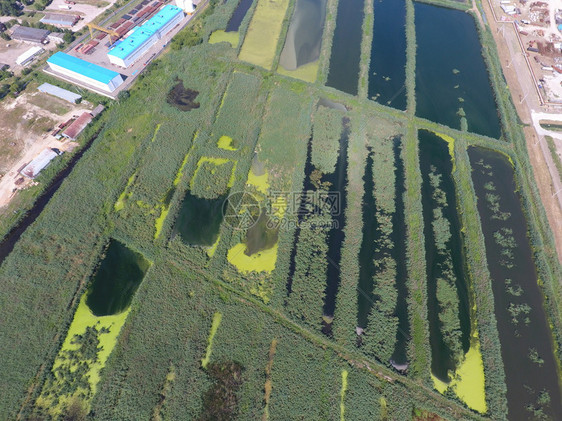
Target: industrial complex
[
  {"x": 113, "y": 53},
  {"x": 129, "y": 50}
]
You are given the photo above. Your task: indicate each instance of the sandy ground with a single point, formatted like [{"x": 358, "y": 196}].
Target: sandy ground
[
  {"x": 11, "y": 50},
  {"x": 29, "y": 144},
  {"x": 527, "y": 102},
  {"x": 88, "y": 11}
]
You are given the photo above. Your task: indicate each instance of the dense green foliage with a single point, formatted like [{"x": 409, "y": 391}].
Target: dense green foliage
[
  {"x": 325, "y": 139},
  {"x": 211, "y": 180},
  {"x": 150, "y": 150},
  {"x": 10, "y": 8}
]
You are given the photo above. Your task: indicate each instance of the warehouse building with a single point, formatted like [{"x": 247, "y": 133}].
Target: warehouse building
[
  {"x": 27, "y": 57},
  {"x": 60, "y": 20},
  {"x": 78, "y": 126},
  {"x": 32, "y": 169},
  {"x": 84, "y": 71},
  {"x": 23, "y": 33},
  {"x": 59, "y": 93},
  {"x": 129, "y": 50},
  {"x": 56, "y": 37}
]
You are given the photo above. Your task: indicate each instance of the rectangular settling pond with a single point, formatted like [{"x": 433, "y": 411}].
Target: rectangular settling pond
[
  {"x": 304, "y": 40},
  {"x": 387, "y": 72},
  {"x": 451, "y": 76},
  {"x": 526, "y": 340},
  {"x": 238, "y": 15},
  {"x": 346, "y": 47},
  {"x": 198, "y": 222},
  {"x": 447, "y": 290}
]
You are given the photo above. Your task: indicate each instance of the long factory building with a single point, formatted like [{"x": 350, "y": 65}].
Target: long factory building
[
  {"x": 85, "y": 72},
  {"x": 129, "y": 50}
]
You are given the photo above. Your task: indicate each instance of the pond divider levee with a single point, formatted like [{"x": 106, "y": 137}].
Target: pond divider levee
[
  {"x": 346, "y": 47},
  {"x": 452, "y": 83},
  {"x": 531, "y": 368},
  {"x": 387, "y": 71}
]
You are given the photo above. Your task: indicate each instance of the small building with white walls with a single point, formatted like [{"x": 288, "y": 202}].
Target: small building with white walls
[
  {"x": 28, "y": 56},
  {"x": 84, "y": 71},
  {"x": 129, "y": 50}
]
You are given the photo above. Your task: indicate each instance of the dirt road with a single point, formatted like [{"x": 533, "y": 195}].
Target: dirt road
[
  {"x": 527, "y": 102},
  {"x": 33, "y": 143}
]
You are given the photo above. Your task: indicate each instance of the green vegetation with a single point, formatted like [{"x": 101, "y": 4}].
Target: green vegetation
[
  {"x": 555, "y": 156},
  {"x": 217, "y": 317},
  {"x": 325, "y": 139},
  {"x": 233, "y": 38},
  {"x": 212, "y": 332},
  {"x": 260, "y": 43}
]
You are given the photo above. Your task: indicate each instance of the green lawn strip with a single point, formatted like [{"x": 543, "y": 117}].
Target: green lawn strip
[
  {"x": 217, "y": 317},
  {"x": 555, "y": 156},
  {"x": 367, "y": 40},
  {"x": 325, "y": 52},
  {"x": 411, "y": 48},
  {"x": 419, "y": 346}
]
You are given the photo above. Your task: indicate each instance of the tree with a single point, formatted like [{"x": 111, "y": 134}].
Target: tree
[
  {"x": 68, "y": 36},
  {"x": 123, "y": 95}
]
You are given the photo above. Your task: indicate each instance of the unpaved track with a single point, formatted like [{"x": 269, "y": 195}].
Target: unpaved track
[{"x": 526, "y": 102}]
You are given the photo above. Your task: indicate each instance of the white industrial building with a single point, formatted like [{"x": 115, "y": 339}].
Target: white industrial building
[
  {"x": 83, "y": 71},
  {"x": 186, "y": 5},
  {"x": 129, "y": 50},
  {"x": 28, "y": 56},
  {"x": 32, "y": 169}
]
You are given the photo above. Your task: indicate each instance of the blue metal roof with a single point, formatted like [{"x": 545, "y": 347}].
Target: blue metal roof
[
  {"x": 85, "y": 68},
  {"x": 141, "y": 34}
]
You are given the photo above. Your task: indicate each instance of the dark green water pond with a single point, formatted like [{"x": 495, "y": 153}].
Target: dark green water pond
[
  {"x": 435, "y": 159},
  {"x": 346, "y": 47},
  {"x": 371, "y": 248},
  {"x": 238, "y": 15},
  {"x": 338, "y": 181},
  {"x": 451, "y": 73},
  {"x": 116, "y": 280},
  {"x": 387, "y": 72},
  {"x": 525, "y": 337},
  {"x": 304, "y": 37},
  {"x": 198, "y": 222},
  {"x": 365, "y": 296}
]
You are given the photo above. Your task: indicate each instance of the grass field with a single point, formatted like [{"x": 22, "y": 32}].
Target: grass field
[
  {"x": 233, "y": 38},
  {"x": 260, "y": 43}
]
